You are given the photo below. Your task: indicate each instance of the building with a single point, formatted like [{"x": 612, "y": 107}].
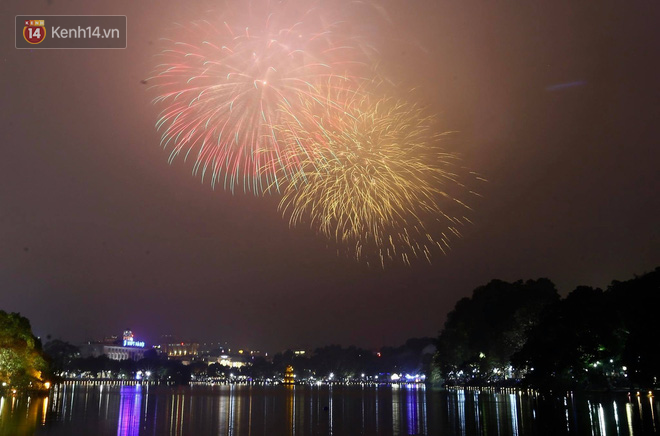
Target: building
[
  {"x": 127, "y": 348},
  {"x": 289, "y": 377},
  {"x": 234, "y": 361},
  {"x": 180, "y": 349},
  {"x": 114, "y": 352}
]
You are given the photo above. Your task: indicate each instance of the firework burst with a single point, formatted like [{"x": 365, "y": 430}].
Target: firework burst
[
  {"x": 221, "y": 85},
  {"x": 373, "y": 179}
]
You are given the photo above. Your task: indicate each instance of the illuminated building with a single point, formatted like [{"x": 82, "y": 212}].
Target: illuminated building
[
  {"x": 289, "y": 378},
  {"x": 233, "y": 361},
  {"x": 180, "y": 349},
  {"x": 127, "y": 348},
  {"x": 123, "y": 353}
]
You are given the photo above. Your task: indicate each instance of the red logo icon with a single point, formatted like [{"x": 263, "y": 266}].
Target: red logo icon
[{"x": 34, "y": 31}]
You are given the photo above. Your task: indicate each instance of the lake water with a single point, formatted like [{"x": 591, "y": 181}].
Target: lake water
[{"x": 131, "y": 410}]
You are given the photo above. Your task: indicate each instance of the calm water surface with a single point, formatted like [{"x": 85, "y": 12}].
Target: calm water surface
[{"x": 92, "y": 409}]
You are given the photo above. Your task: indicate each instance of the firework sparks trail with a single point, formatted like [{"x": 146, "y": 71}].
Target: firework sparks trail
[{"x": 373, "y": 179}]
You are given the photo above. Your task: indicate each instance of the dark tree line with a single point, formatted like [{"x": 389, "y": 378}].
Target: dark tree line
[
  {"x": 66, "y": 362},
  {"x": 484, "y": 331},
  {"x": 344, "y": 363},
  {"x": 510, "y": 333},
  {"x": 413, "y": 357}
]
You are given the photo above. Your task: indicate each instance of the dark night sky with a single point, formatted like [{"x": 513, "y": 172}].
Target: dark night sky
[{"x": 98, "y": 232}]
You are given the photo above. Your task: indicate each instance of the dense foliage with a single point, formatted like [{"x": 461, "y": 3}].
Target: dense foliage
[
  {"x": 414, "y": 357},
  {"x": 483, "y": 332},
  {"x": 522, "y": 332},
  {"x": 22, "y": 364}
]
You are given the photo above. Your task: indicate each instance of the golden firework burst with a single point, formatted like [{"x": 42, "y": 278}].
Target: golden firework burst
[{"x": 371, "y": 177}]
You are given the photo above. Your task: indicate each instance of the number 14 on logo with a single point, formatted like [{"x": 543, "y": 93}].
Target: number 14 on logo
[{"x": 34, "y": 31}]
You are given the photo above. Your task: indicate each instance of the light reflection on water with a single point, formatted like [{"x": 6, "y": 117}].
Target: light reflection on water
[
  {"x": 233, "y": 410},
  {"x": 128, "y": 423}
]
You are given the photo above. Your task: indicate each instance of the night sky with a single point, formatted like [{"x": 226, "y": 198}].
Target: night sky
[{"x": 557, "y": 105}]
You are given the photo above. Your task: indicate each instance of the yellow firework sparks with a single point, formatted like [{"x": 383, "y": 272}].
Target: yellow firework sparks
[{"x": 372, "y": 177}]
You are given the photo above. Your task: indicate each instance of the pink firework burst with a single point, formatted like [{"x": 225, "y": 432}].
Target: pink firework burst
[{"x": 224, "y": 82}]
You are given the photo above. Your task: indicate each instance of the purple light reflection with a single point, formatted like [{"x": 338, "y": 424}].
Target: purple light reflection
[{"x": 130, "y": 403}]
